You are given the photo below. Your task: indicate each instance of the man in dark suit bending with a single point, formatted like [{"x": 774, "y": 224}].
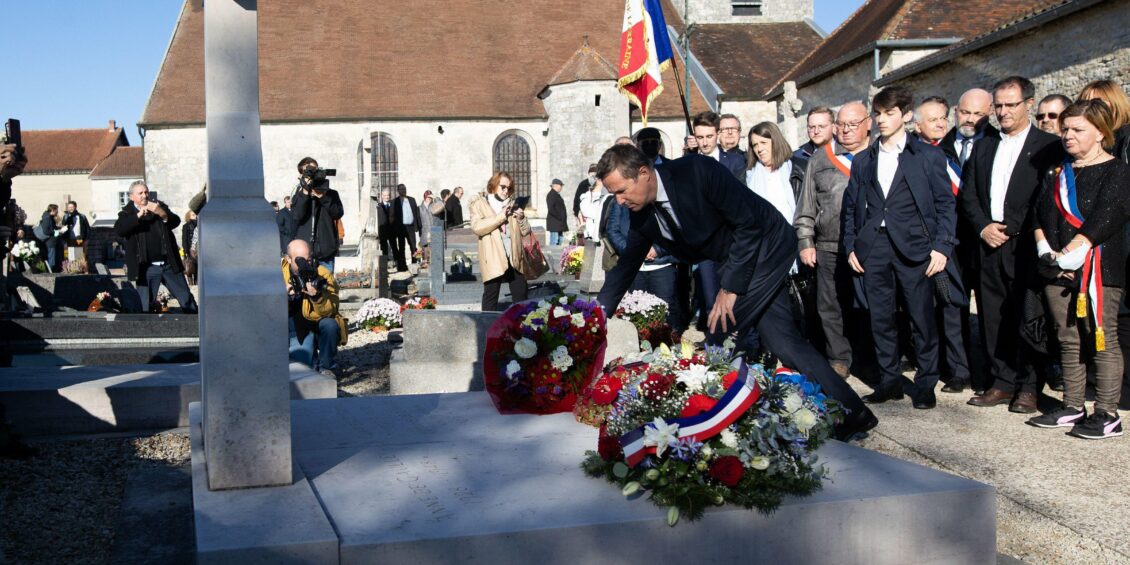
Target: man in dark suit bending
[{"x": 695, "y": 208}]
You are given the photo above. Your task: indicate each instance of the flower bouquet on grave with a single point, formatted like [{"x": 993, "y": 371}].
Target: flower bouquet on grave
[
  {"x": 648, "y": 313},
  {"x": 541, "y": 353},
  {"x": 572, "y": 260},
  {"x": 379, "y": 315},
  {"x": 419, "y": 303},
  {"x": 104, "y": 302},
  {"x": 27, "y": 252},
  {"x": 76, "y": 267},
  {"x": 161, "y": 303},
  {"x": 695, "y": 431}
]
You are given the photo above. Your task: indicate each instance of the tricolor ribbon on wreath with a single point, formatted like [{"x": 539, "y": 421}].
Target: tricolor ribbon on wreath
[
  {"x": 741, "y": 395},
  {"x": 1091, "y": 284}
]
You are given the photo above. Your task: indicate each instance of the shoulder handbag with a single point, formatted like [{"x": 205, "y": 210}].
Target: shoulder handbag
[{"x": 534, "y": 264}]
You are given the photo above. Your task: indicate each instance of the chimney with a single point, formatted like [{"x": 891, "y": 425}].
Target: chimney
[{"x": 113, "y": 125}]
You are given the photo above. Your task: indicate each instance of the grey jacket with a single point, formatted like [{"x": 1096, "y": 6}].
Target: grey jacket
[{"x": 817, "y": 220}]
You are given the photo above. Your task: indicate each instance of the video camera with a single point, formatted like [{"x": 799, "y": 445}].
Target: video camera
[
  {"x": 307, "y": 273},
  {"x": 315, "y": 177}
]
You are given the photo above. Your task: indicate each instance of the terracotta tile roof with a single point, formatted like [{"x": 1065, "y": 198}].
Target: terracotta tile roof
[
  {"x": 887, "y": 20},
  {"x": 585, "y": 64},
  {"x": 123, "y": 162},
  {"x": 70, "y": 150},
  {"x": 747, "y": 59},
  {"x": 424, "y": 59}
]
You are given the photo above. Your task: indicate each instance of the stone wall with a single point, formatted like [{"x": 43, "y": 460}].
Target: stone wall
[
  {"x": 34, "y": 192},
  {"x": 721, "y": 12},
  {"x": 105, "y": 199},
  {"x": 750, "y": 112},
  {"x": 1059, "y": 58},
  {"x": 460, "y": 156},
  {"x": 579, "y": 130}
]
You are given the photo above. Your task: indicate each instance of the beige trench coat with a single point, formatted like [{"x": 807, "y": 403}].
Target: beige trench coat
[{"x": 487, "y": 226}]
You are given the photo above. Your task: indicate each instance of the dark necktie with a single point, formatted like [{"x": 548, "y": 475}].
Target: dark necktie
[{"x": 668, "y": 221}]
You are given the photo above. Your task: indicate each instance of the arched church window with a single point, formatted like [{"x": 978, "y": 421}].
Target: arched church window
[
  {"x": 386, "y": 173},
  {"x": 512, "y": 154}
]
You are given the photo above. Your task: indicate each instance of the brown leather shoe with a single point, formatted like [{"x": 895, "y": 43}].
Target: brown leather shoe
[
  {"x": 992, "y": 397},
  {"x": 1025, "y": 403}
]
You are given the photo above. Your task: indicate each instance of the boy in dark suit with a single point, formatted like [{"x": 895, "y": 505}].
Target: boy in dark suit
[
  {"x": 697, "y": 210},
  {"x": 899, "y": 221}
]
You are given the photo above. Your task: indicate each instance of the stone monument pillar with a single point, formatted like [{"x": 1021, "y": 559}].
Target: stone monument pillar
[
  {"x": 790, "y": 108},
  {"x": 243, "y": 324}
]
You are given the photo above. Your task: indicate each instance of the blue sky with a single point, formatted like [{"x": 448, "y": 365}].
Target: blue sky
[{"x": 81, "y": 63}]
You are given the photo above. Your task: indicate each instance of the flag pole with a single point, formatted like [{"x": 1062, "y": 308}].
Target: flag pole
[{"x": 682, "y": 96}]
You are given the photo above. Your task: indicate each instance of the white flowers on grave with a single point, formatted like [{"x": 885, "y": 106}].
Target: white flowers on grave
[
  {"x": 26, "y": 250},
  {"x": 729, "y": 438},
  {"x": 525, "y": 348},
  {"x": 661, "y": 435},
  {"x": 560, "y": 358},
  {"x": 512, "y": 368},
  {"x": 379, "y": 314},
  {"x": 579, "y": 320},
  {"x": 695, "y": 377}
]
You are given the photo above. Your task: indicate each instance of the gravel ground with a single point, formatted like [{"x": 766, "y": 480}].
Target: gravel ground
[
  {"x": 61, "y": 505},
  {"x": 364, "y": 363}
]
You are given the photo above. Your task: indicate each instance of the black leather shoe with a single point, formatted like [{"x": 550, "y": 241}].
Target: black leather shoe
[
  {"x": 956, "y": 386},
  {"x": 858, "y": 427},
  {"x": 882, "y": 395},
  {"x": 925, "y": 400}
]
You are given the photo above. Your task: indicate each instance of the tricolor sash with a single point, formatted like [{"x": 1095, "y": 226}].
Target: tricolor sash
[
  {"x": 1091, "y": 284},
  {"x": 841, "y": 162},
  {"x": 742, "y": 394},
  {"x": 954, "y": 172}
]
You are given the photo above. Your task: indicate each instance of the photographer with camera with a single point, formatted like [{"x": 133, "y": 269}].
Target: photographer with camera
[
  {"x": 316, "y": 207},
  {"x": 314, "y": 321},
  {"x": 152, "y": 253}
]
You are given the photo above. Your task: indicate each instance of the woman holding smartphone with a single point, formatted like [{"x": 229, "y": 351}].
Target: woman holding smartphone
[{"x": 499, "y": 225}]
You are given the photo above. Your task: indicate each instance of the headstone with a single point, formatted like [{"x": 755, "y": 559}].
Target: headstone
[
  {"x": 592, "y": 273},
  {"x": 623, "y": 339},
  {"x": 383, "y": 290},
  {"x": 436, "y": 265},
  {"x": 443, "y": 352},
  {"x": 101, "y": 269},
  {"x": 243, "y": 348}
]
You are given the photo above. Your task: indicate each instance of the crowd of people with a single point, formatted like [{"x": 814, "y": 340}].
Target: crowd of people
[{"x": 901, "y": 226}]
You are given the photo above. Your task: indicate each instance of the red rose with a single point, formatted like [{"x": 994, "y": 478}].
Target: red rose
[
  {"x": 606, "y": 389},
  {"x": 697, "y": 404},
  {"x": 729, "y": 379},
  {"x": 656, "y": 386},
  {"x": 609, "y": 447},
  {"x": 727, "y": 470}
]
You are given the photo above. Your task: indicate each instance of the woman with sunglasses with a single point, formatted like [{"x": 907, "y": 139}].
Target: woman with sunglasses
[
  {"x": 499, "y": 226},
  {"x": 1079, "y": 220}
]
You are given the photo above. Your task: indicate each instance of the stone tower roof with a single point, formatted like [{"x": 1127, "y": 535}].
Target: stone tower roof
[{"x": 584, "y": 64}]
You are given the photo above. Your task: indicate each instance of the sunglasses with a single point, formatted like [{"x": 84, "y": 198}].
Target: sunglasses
[{"x": 1049, "y": 115}]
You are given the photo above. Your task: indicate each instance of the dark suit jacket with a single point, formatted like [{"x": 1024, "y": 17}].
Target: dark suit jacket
[
  {"x": 921, "y": 171},
  {"x": 399, "y": 204},
  {"x": 1041, "y": 151},
  {"x": 388, "y": 222},
  {"x": 721, "y": 220},
  {"x": 734, "y": 160},
  {"x": 136, "y": 230},
  {"x": 946, "y": 144}
]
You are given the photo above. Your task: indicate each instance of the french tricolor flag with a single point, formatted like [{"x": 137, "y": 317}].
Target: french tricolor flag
[
  {"x": 645, "y": 52},
  {"x": 741, "y": 395}
]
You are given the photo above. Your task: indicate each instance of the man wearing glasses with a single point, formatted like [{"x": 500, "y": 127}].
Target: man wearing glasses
[
  {"x": 707, "y": 135},
  {"x": 729, "y": 138},
  {"x": 1047, "y": 113},
  {"x": 818, "y": 232}
]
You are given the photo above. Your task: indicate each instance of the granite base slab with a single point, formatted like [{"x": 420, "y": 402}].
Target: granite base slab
[{"x": 444, "y": 478}]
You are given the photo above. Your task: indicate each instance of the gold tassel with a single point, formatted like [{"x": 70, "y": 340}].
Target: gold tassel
[
  {"x": 1100, "y": 340},
  {"x": 1081, "y": 305}
]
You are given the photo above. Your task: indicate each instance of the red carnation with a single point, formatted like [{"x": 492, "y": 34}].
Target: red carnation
[
  {"x": 608, "y": 447},
  {"x": 606, "y": 389},
  {"x": 728, "y": 380},
  {"x": 697, "y": 404},
  {"x": 727, "y": 470},
  {"x": 656, "y": 386}
]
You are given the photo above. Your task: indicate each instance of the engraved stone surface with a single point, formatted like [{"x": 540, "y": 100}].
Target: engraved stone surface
[{"x": 444, "y": 478}]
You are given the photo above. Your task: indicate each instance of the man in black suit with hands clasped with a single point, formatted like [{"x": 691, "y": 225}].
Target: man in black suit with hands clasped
[
  {"x": 899, "y": 219},
  {"x": 698, "y": 210}
]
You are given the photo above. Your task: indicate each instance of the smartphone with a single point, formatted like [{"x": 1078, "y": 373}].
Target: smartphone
[
  {"x": 12, "y": 134},
  {"x": 521, "y": 202}
]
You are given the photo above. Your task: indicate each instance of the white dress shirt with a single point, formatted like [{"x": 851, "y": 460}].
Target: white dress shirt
[
  {"x": 716, "y": 154},
  {"x": 889, "y": 163},
  {"x": 1008, "y": 153},
  {"x": 406, "y": 210}
]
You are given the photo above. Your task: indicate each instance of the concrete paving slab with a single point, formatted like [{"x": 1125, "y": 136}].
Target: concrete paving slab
[
  {"x": 443, "y": 478},
  {"x": 1062, "y": 498}
]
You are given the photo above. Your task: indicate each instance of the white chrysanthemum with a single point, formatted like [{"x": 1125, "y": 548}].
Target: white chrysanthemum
[
  {"x": 525, "y": 348},
  {"x": 512, "y": 368},
  {"x": 729, "y": 438},
  {"x": 793, "y": 402},
  {"x": 561, "y": 359},
  {"x": 804, "y": 419},
  {"x": 694, "y": 377},
  {"x": 579, "y": 320}
]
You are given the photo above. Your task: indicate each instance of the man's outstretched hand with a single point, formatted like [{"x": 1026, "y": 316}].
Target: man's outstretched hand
[{"x": 723, "y": 311}]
